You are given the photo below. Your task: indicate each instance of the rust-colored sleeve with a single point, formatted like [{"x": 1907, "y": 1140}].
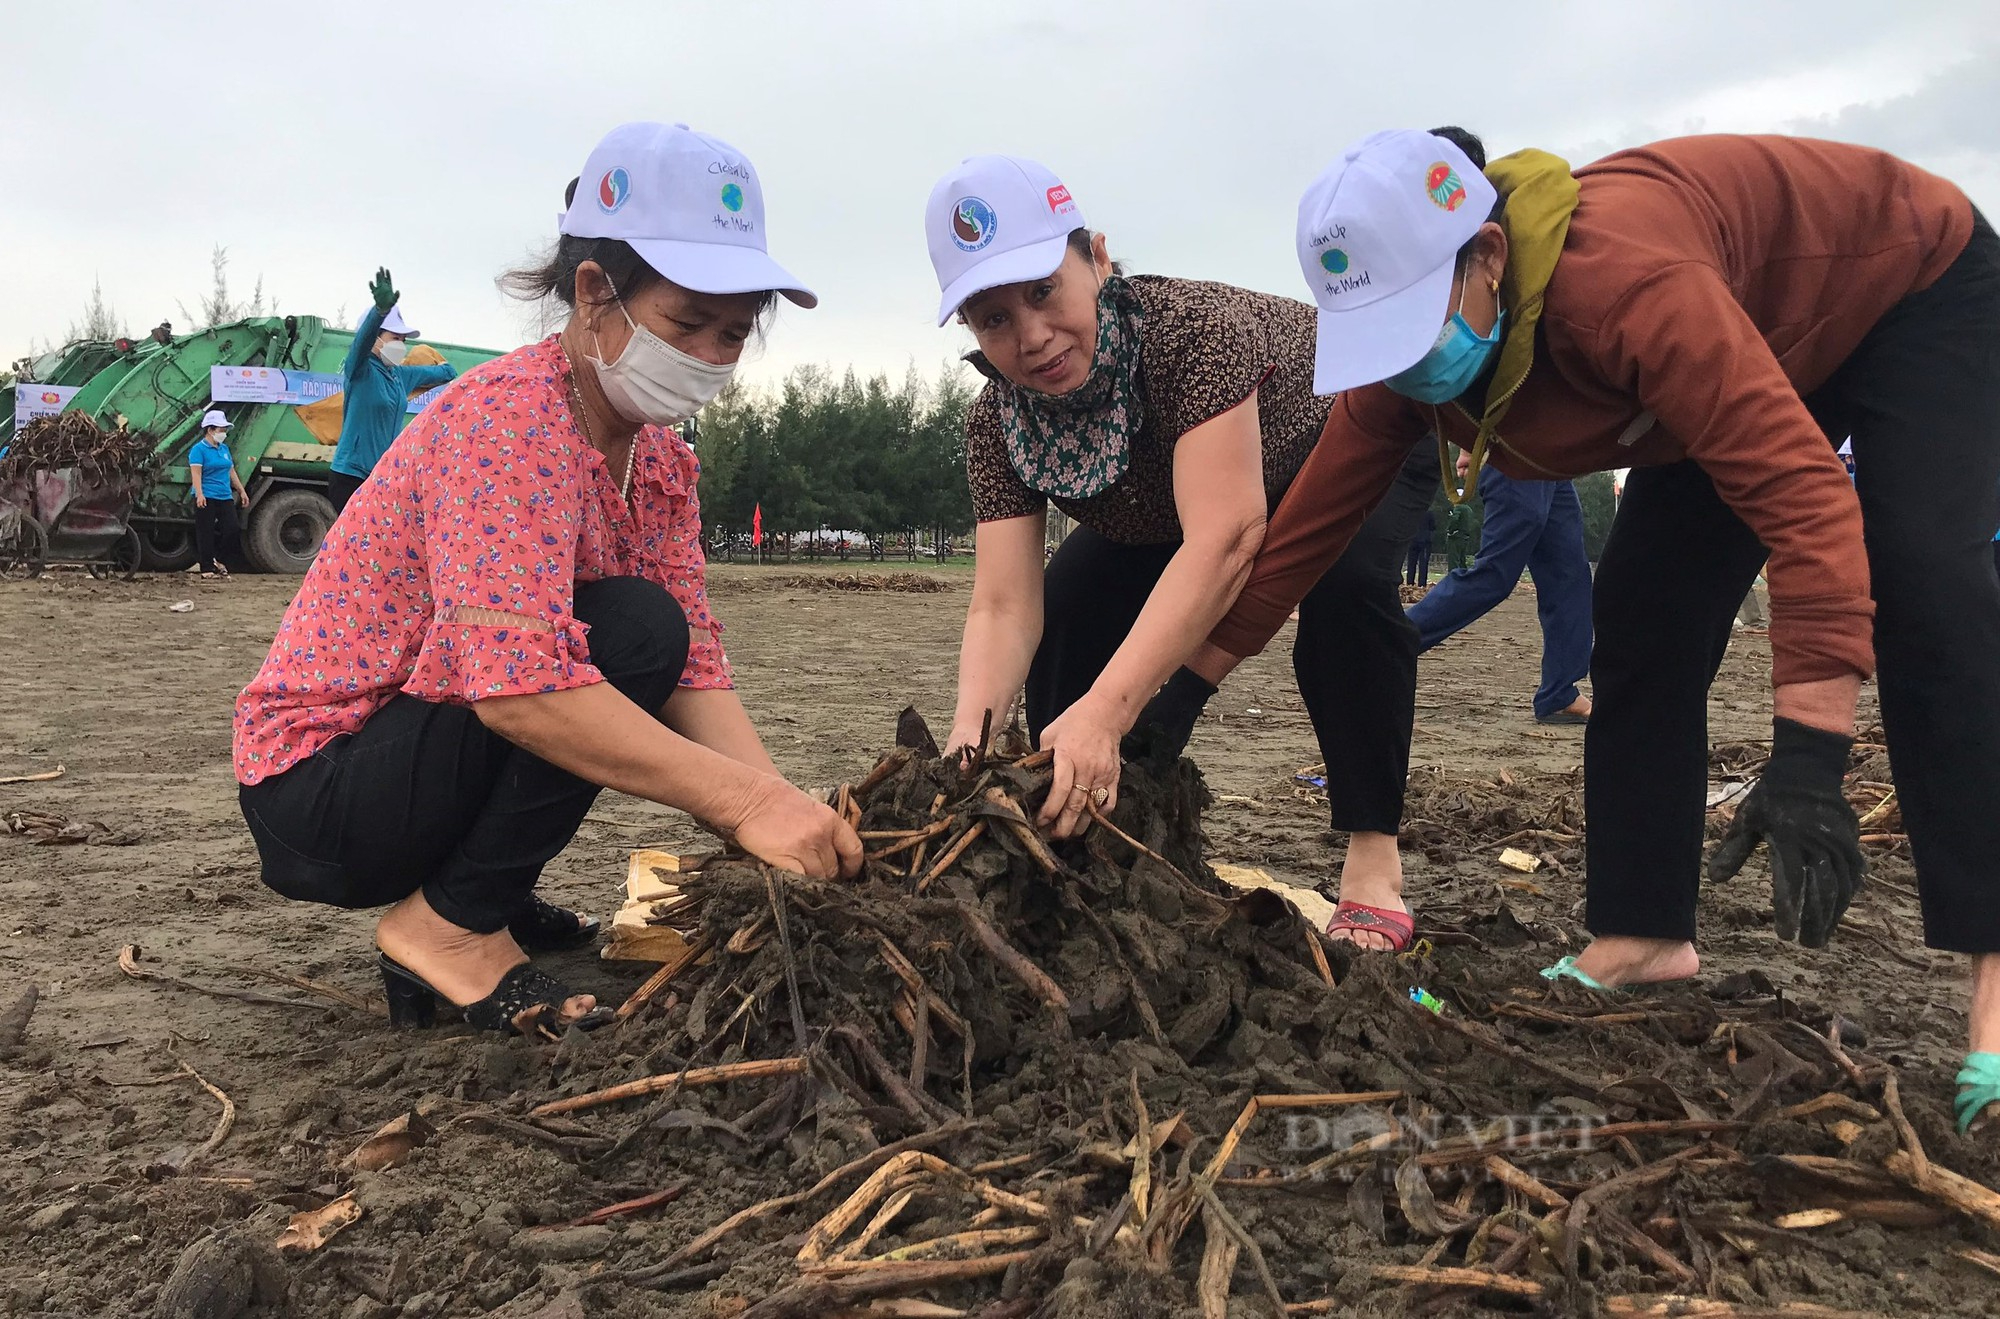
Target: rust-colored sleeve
[
  {"x": 1680, "y": 341},
  {"x": 1359, "y": 453}
]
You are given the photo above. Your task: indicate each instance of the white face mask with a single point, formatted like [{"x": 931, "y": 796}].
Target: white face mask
[
  {"x": 653, "y": 382},
  {"x": 394, "y": 351}
]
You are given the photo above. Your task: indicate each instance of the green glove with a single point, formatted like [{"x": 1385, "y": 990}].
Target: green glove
[
  {"x": 1979, "y": 1085},
  {"x": 384, "y": 290}
]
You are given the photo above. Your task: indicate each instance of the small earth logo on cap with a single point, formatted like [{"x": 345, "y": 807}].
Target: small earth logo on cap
[
  {"x": 1333, "y": 261},
  {"x": 732, "y": 196},
  {"x": 1446, "y": 189},
  {"x": 614, "y": 189},
  {"x": 973, "y": 223}
]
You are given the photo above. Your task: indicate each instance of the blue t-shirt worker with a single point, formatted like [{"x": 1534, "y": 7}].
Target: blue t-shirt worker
[
  {"x": 377, "y": 388},
  {"x": 217, "y": 490}
]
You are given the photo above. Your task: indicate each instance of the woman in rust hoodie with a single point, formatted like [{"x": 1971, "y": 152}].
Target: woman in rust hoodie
[{"x": 1716, "y": 313}]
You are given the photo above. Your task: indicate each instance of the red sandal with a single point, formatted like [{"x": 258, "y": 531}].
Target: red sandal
[{"x": 1399, "y": 927}]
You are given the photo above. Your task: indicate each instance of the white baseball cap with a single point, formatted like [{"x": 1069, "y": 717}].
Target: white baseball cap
[
  {"x": 1379, "y": 234},
  {"x": 688, "y": 203},
  {"x": 996, "y": 220},
  {"x": 393, "y": 322},
  {"x": 214, "y": 418}
]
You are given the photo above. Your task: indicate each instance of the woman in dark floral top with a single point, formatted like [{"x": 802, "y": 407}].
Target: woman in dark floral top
[
  {"x": 1167, "y": 417},
  {"x": 511, "y": 613}
]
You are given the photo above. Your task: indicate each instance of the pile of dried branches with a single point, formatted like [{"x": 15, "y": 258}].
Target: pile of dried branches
[
  {"x": 49, "y": 829},
  {"x": 1449, "y": 817},
  {"x": 1037, "y": 1047},
  {"x": 72, "y": 439},
  {"x": 914, "y": 583},
  {"x": 1870, "y": 788}
]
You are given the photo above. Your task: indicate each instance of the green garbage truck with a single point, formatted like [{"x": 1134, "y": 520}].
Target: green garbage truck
[
  {"x": 69, "y": 366},
  {"x": 284, "y": 450}
]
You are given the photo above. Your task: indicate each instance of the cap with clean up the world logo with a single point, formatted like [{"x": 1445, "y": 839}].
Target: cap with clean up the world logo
[
  {"x": 1379, "y": 234},
  {"x": 688, "y": 203},
  {"x": 996, "y": 220}
]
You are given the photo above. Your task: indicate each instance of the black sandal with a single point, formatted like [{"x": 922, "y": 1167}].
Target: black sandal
[
  {"x": 543, "y": 927},
  {"x": 414, "y": 1003}
]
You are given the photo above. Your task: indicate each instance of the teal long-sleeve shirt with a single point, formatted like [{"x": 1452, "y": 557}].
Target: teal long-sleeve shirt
[{"x": 377, "y": 395}]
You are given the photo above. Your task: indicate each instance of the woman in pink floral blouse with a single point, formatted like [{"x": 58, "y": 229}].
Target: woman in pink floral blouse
[{"x": 511, "y": 614}]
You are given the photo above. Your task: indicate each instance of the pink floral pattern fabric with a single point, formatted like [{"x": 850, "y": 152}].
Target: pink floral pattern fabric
[{"x": 491, "y": 502}]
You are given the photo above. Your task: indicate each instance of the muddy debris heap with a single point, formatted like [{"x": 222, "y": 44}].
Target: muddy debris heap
[
  {"x": 1012, "y": 1075},
  {"x": 73, "y": 440}
]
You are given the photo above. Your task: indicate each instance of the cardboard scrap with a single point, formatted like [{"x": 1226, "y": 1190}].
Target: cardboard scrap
[
  {"x": 648, "y": 877},
  {"x": 393, "y": 1144},
  {"x": 1309, "y": 903},
  {"x": 313, "y": 1228},
  {"x": 1515, "y": 859},
  {"x": 638, "y": 931}
]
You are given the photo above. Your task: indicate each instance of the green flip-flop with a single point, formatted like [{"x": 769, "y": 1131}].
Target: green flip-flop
[
  {"x": 1978, "y": 1086},
  {"x": 1567, "y": 969}
]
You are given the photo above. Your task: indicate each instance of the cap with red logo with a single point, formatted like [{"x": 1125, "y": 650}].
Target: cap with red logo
[
  {"x": 688, "y": 203},
  {"x": 1378, "y": 239},
  {"x": 996, "y": 220}
]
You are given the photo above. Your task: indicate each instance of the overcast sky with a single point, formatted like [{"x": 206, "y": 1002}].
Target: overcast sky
[{"x": 435, "y": 138}]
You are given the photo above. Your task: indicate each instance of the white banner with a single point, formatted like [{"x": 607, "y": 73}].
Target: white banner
[
  {"x": 32, "y": 401},
  {"x": 269, "y": 384}
]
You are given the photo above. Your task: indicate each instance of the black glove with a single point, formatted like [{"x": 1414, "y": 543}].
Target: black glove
[
  {"x": 1167, "y": 722},
  {"x": 1815, "y": 841}
]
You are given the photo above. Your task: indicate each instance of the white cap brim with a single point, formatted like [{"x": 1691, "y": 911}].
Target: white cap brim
[
  {"x": 1371, "y": 343},
  {"x": 721, "y": 268},
  {"x": 1035, "y": 261},
  {"x": 393, "y": 322}
]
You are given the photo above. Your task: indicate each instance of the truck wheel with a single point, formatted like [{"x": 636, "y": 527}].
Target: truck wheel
[
  {"x": 168, "y": 548},
  {"x": 286, "y": 529}
]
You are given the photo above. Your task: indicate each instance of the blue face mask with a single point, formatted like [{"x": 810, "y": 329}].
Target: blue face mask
[{"x": 1454, "y": 361}]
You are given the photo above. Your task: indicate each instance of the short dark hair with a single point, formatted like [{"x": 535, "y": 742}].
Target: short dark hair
[{"x": 554, "y": 274}]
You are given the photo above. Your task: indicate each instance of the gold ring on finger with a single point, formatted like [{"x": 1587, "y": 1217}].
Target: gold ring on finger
[{"x": 1098, "y": 796}]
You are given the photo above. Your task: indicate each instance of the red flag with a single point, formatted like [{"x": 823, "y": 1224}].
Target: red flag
[{"x": 757, "y": 525}]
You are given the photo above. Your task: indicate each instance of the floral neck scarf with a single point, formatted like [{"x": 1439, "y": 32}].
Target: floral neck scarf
[{"x": 1078, "y": 444}]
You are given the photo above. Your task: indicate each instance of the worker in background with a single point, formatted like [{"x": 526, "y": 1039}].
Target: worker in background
[
  {"x": 377, "y": 388},
  {"x": 1458, "y": 537},
  {"x": 217, "y": 488},
  {"x": 1417, "y": 566},
  {"x": 1535, "y": 526}
]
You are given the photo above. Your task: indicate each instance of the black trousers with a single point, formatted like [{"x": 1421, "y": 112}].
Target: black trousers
[
  {"x": 340, "y": 488},
  {"x": 1921, "y": 398},
  {"x": 1355, "y": 658},
  {"x": 215, "y": 532},
  {"x": 1417, "y": 566},
  {"x": 424, "y": 796}
]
